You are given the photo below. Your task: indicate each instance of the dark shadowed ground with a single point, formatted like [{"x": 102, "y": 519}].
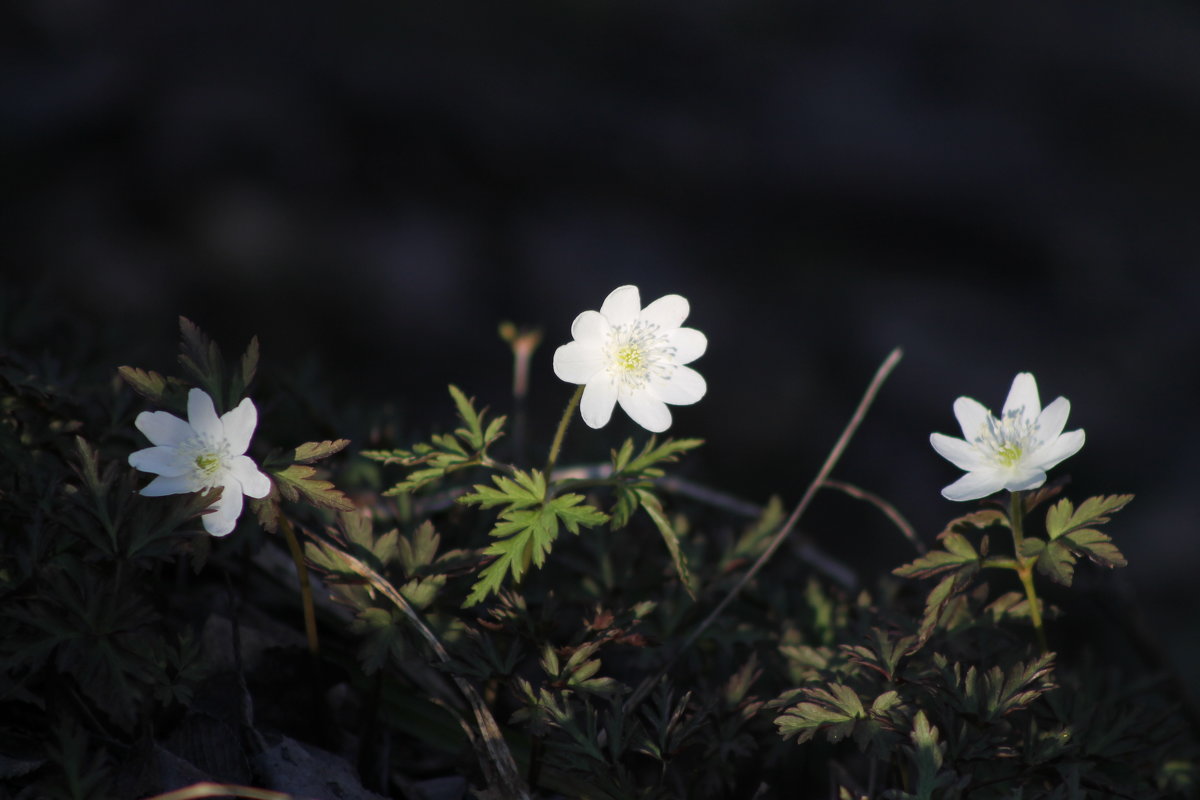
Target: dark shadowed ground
[{"x": 995, "y": 187}]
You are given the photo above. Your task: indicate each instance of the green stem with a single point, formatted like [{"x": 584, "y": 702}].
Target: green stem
[
  {"x": 1016, "y": 518},
  {"x": 556, "y": 445},
  {"x": 1025, "y": 567},
  {"x": 306, "y": 599}
]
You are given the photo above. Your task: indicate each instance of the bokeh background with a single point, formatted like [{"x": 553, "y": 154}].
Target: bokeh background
[{"x": 372, "y": 187}]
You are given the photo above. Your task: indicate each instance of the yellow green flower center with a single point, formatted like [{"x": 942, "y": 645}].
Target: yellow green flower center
[
  {"x": 208, "y": 463},
  {"x": 630, "y": 358},
  {"x": 1008, "y": 453},
  {"x": 636, "y": 352},
  {"x": 1007, "y": 439}
]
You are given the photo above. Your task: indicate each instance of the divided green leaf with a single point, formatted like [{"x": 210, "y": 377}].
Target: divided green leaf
[
  {"x": 309, "y": 452},
  {"x": 644, "y": 465},
  {"x": 1071, "y": 537},
  {"x": 445, "y": 453},
  {"x": 526, "y": 529},
  {"x": 297, "y": 481}
]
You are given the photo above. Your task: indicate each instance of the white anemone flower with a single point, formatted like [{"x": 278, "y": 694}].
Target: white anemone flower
[
  {"x": 1012, "y": 452},
  {"x": 204, "y": 452},
  {"x": 634, "y": 356}
]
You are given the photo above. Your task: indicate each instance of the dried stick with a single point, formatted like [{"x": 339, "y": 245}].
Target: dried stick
[
  {"x": 831, "y": 460},
  {"x": 887, "y": 508}
]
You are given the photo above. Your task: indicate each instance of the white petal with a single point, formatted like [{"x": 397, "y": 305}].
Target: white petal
[
  {"x": 163, "y": 428},
  {"x": 971, "y": 416},
  {"x": 974, "y": 485},
  {"x": 667, "y": 312},
  {"x": 647, "y": 411},
  {"x": 224, "y": 516},
  {"x": 1023, "y": 478},
  {"x": 1023, "y": 394},
  {"x": 1060, "y": 449},
  {"x": 682, "y": 388},
  {"x": 589, "y": 325},
  {"x": 203, "y": 415},
  {"x": 689, "y": 344},
  {"x": 239, "y": 426},
  {"x": 622, "y": 305},
  {"x": 1053, "y": 419},
  {"x": 254, "y": 483},
  {"x": 169, "y": 484},
  {"x": 958, "y": 452},
  {"x": 161, "y": 461},
  {"x": 599, "y": 397},
  {"x": 578, "y": 362}
]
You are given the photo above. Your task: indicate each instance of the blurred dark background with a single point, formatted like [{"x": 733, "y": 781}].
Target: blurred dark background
[{"x": 373, "y": 187}]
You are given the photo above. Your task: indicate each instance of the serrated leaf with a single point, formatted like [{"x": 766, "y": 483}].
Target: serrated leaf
[
  {"x": 1095, "y": 545},
  {"x": 147, "y": 383},
  {"x": 833, "y": 711},
  {"x": 420, "y": 549},
  {"x": 200, "y": 356},
  {"x": 940, "y": 602},
  {"x": 473, "y": 432},
  {"x": 1057, "y": 562},
  {"x": 249, "y": 364},
  {"x": 655, "y": 511},
  {"x": 960, "y": 554},
  {"x": 309, "y": 452},
  {"x": 521, "y": 491},
  {"x": 1058, "y": 559},
  {"x": 297, "y": 482},
  {"x": 653, "y": 453},
  {"x": 1063, "y": 518},
  {"x": 620, "y": 458},
  {"x": 526, "y": 530},
  {"x": 927, "y": 754}
]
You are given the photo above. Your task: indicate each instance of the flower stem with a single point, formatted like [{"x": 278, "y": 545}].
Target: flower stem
[
  {"x": 306, "y": 599},
  {"x": 556, "y": 445},
  {"x": 1025, "y": 567}
]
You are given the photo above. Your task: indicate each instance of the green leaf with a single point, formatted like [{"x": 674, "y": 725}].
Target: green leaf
[
  {"x": 445, "y": 453},
  {"x": 297, "y": 482},
  {"x": 942, "y": 604},
  {"x": 1057, "y": 561},
  {"x": 833, "y": 711},
  {"x": 654, "y": 509},
  {"x": 652, "y": 454},
  {"x": 200, "y": 356},
  {"x": 527, "y": 528},
  {"x": 997, "y": 692},
  {"x": 309, "y": 452},
  {"x": 883, "y": 654},
  {"x": 249, "y": 367},
  {"x": 383, "y": 637},
  {"x": 419, "y": 550},
  {"x": 473, "y": 433},
  {"x": 147, "y": 383},
  {"x": 927, "y": 755},
  {"x": 524, "y": 489},
  {"x": 959, "y": 554},
  {"x": 1063, "y": 518}
]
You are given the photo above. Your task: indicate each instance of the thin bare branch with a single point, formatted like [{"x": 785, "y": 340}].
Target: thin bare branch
[
  {"x": 831, "y": 461},
  {"x": 887, "y": 508}
]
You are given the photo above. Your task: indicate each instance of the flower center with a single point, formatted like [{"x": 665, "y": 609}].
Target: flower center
[
  {"x": 208, "y": 458},
  {"x": 635, "y": 353},
  {"x": 208, "y": 463},
  {"x": 1006, "y": 439}
]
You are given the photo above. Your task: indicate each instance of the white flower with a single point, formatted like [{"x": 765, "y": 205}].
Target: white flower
[
  {"x": 634, "y": 356},
  {"x": 1012, "y": 452},
  {"x": 204, "y": 452}
]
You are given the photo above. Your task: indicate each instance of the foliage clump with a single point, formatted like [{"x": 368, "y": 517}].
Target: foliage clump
[{"x": 668, "y": 647}]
